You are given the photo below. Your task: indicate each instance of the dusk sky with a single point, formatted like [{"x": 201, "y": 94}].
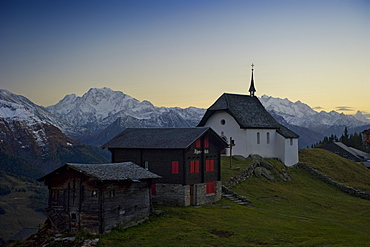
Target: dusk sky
[{"x": 187, "y": 53}]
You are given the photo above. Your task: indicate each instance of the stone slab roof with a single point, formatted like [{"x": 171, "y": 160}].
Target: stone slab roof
[
  {"x": 158, "y": 138},
  {"x": 109, "y": 172},
  {"x": 248, "y": 112}
]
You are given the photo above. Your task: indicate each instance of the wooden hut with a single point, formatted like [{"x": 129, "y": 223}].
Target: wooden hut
[{"x": 96, "y": 197}]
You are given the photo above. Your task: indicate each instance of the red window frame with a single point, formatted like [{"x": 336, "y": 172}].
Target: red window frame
[
  {"x": 194, "y": 166},
  {"x": 210, "y": 187},
  {"x": 210, "y": 165},
  {"x": 175, "y": 167}
]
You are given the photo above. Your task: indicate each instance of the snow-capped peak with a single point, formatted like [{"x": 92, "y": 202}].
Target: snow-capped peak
[{"x": 361, "y": 117}]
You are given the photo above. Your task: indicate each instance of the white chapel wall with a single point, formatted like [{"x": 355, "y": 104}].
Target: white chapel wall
[
  {"x": 228, "y": 128},
  {"x": 287, "y": 150},
  {"x": 258, "y": 142}
]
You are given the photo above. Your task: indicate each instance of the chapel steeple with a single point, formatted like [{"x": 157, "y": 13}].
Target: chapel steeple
[{"x": 252, "y": 89}]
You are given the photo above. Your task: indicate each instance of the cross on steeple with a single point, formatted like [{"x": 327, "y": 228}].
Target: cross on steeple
[{"x": 252, "y": 89}]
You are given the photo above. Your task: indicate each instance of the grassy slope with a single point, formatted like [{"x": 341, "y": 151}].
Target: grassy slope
[
  {"x": 18, "y": 213},
  {"x": 303, "y": 212},
  {"x": 340, "y": 169}
]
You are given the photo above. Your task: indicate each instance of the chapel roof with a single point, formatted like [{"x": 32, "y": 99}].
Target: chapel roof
[
  {"x": 248, "y": 112},
  {"x": 108, "y": 172},
  {"x": 159, "y": 138}
]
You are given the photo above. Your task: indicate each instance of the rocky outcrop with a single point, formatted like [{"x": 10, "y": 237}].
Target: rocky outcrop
[{"x": 259, "y": 168}]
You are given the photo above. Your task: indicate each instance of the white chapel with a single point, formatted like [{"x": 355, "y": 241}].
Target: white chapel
[{"x": 243, "y": 119}]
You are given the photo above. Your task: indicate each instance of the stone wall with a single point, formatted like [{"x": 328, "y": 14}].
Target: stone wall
[
  {"x": 179, "y": 195},
  {"x": 200, "y": 196},
  {"x": 350, "y": 190},
  {"x": 172, "y": 194}
]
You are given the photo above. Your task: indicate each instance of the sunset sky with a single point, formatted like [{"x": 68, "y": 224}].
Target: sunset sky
[{"x": 187, "y": 53}]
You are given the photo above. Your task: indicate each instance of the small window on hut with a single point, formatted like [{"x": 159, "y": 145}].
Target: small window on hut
[
  {"x": 94, "y": 193},
  {"x": 258, "y": 138},
  {"x": 291, "y": 141},
  {"x": 112, "y": 193},
  {"x": 146, "y": 164},
  {"x": 268, "y": 137},
  {"x": 175, "y": 167},
  {"x": 73, "y": 216}
]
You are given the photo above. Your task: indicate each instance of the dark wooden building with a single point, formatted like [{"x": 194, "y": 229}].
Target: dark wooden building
[
  {"x": 347, "y": 152},
  {"x": 95, "y": 197},
  {"x": 187, "y": 159}
]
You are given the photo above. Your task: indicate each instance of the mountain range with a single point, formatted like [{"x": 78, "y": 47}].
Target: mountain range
[{"x": 45, "y": 137}]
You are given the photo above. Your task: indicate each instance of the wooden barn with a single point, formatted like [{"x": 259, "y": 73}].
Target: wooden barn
[
  {"x": 187, "y": 159},
  {"x": 94, "y": 198}
]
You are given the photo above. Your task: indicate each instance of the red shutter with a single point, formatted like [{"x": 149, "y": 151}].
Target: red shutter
[
  {"x": 206, "y": 142},
  {"x": 154, "y": 189},
  {"x": 196, "y": 169},
  {"x": 175, "y": 167},
  {"x": 192, "y": 166},
  {"x": 210, "y": 165},
  {"x": 210, "y": 187},
  {"x": 197, "y": 143}
]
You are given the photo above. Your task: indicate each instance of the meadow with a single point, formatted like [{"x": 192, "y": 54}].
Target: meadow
[{"x": 302, "y": 212}]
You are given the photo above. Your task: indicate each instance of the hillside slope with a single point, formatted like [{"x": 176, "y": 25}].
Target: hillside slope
[
  {"x": 22, "y": 202},
  {"x": 302, "y": 212},
  {"x": 339, "y": 169}
]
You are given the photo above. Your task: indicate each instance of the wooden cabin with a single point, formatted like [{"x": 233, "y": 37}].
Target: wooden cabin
[
  {"x": 94, "y": 198},
  {"x": 187, "y": 159}
]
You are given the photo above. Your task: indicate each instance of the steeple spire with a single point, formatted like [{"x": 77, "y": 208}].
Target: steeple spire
[{"x": 252, "y": 89}]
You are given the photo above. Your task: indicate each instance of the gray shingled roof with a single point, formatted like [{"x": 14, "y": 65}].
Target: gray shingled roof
[
  {"x": 157, "y": 138},
  {"x": 110, "y": 171},
  {"x": 248, "y": 112},
  {"x": 287, "y": 133}
]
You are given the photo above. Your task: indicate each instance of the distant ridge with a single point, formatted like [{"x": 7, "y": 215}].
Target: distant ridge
[{"x": 101, "y": 113}]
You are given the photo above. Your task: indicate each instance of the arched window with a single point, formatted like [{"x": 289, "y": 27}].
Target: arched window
[
  {"x": 258, "y": 138},
  {"x": 268, "y": 137}
]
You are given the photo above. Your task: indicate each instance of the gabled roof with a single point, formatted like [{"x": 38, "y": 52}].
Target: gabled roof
[
  {"x": 108, "y": 172},
  {"x": 159, "y": 138},
  {"x": 248, "y": 112},
  {"x": 355, "y": 152}
]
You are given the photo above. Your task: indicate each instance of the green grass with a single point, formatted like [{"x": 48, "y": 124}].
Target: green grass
[
  {"x": 339, "y": 169},
  {"x": 236, "y": 167},
  {"x": 302, "y": 212},
  {"x": 19, "y": 207}
]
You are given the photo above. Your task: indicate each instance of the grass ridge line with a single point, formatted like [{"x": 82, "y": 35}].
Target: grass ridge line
[{"x": 345, "y": 188}]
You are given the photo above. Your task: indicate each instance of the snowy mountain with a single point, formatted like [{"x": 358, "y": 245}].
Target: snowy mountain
[
  {"x": 300, "y": 114},
  {"x": 100, "y": 114},
  {"x": 108, "y": 111},
  {"x": 31, "y": 144}
]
